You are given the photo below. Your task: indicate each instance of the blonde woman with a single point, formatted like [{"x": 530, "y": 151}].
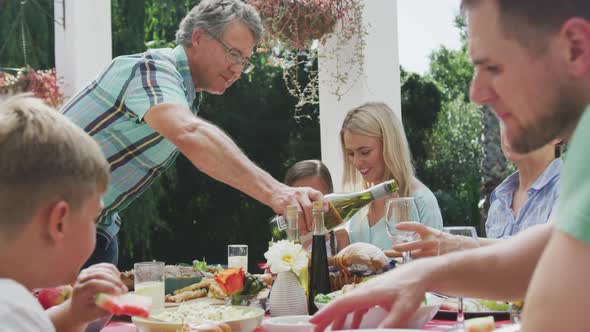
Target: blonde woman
[{"x": 375, "y": 150}]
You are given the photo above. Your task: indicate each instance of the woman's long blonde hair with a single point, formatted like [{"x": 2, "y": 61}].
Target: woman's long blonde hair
[{"x": 378, "y": 120}]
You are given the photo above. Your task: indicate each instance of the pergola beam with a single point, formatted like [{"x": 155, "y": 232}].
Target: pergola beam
[{"x": 83, "y": 43}]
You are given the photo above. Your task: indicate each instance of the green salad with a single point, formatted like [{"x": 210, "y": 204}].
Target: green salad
[
  {"x": 493, "y": 305},
  {"x": 325, "y": 298}
]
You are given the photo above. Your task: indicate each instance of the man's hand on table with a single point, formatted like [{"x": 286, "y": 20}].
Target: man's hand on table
[{"x": 400, "y": 291}]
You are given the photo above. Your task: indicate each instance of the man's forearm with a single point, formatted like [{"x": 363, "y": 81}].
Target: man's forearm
[
  {"x": 500, "y": 271},
  {"x": 215, "y": 154}
]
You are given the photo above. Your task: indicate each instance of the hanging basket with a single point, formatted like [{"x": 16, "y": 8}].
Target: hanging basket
[{"x": 297, "y": 23}]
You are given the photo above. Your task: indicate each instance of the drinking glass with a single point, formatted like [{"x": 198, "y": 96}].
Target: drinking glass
[
  {"x": 149, "y": 281},
  {"x": 466, "y": 231},
  {"x": 237, "y": 256},
  {"x": 398, "y": 210}
]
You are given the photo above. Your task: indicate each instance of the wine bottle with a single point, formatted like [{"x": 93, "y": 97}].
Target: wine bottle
[
  {"x": 341, "y": 207},
  {"x": 319, "y": 277}
]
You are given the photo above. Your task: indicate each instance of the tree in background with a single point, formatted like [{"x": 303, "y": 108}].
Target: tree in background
[{"x": 421, "y": 103}]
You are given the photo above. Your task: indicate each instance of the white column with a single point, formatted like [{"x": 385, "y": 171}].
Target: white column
[
  {"x": 381, "y": 81},
  {"x": 83, "y": 46}
]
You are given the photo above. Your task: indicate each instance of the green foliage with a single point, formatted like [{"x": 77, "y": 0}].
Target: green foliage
[
  {"x": 142, "y": 24},
  {"x": 128, "y": 18},
  {"x": 421, "y": 102},
  {"x": 146, "y": 218},
  {"x": 454, "y": 162},
  {"x": 453, "y": 71},
  {"x": 28, "y": 23}
]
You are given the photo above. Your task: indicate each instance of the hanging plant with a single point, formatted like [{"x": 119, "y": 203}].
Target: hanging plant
[
  {"x": 293, "y": 30},
  {"x": 297, "y": 23},
  {"x": 42, "y": 83}
]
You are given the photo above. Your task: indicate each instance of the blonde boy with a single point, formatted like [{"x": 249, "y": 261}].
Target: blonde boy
[{"x": 52, "y": 177}]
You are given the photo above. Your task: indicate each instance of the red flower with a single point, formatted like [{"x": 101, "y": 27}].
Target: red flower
[{"x": 231, "y": 280}]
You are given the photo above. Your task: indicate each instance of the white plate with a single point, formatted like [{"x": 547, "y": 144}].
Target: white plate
[
  {"x": 288, "y": 324},
  {"x": 301, "y": 324},
  {"x": 376, "y": 314}
]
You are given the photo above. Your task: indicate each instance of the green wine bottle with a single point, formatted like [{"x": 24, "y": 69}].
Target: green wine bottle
[
  {"x": 319, "y": 276},
  {"x": 341, "y": 207}
]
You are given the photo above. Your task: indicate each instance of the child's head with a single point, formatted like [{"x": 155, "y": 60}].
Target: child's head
[
  {"x": 310, "y": 173},
  {"x": 375, "y": 148},
  {"x": 52, "y": 177}
]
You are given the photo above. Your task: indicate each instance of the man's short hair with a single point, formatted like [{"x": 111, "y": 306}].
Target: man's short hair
[
  {"x": 43, "y": 156},
  {"x": 530, "y": 22},
  {"x": 215, "y": 16}
]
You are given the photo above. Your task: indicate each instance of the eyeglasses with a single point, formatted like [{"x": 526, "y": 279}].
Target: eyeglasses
[{"x": 234, "y": 56}]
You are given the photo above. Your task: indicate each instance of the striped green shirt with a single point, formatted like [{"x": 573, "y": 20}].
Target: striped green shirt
[{"x": 111, "y": 109}]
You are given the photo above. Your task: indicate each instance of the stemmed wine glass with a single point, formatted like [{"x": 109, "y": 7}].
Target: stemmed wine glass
[
  {"x": 398, "y": 210},
  {"x": 465, "y": 231}
]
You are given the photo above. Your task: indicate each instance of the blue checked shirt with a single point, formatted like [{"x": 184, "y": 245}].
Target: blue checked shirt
[
  {"x": 536, "y": 210},
  {"x": 111, "y": 110}
]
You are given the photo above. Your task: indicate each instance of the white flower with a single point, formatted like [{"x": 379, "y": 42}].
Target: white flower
[{"x": 286, "y": 256}]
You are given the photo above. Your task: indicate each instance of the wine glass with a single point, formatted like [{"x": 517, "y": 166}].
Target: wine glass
[
  {"x": 466, "y": 231},
  {"x": 398, "y": 210}
]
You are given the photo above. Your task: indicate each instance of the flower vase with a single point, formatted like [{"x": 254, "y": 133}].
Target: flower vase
[{"x": 287, "y": 296}]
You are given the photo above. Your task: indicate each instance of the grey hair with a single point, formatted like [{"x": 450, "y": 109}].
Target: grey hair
[{"x": 215, "y": 16}]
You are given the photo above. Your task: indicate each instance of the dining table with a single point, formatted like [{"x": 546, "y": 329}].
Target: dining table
[{"x": 434, "y": 325}]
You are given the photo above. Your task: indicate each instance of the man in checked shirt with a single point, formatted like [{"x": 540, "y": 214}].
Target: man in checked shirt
[{"x": 142, "y": 110}]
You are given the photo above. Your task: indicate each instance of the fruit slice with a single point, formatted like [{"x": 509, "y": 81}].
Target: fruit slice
[
  {"x": 49, "y": 297},
  {"x": 480, "y": 324},
  {"x": 126, "y": 304}
]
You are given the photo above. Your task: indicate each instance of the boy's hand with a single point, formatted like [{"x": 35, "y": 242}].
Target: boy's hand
[
  {"x": 99, "y": 278},
  {"x": 80, "y": 310}
]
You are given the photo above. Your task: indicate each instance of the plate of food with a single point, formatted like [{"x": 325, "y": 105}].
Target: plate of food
[
  {"x": 376, "y": 314},
  {"x": 206, "y": 288},
  {"x": 357, "y": 263},
  {"x": 472, "y": 307},
  {"x": 238, "y": 318}
]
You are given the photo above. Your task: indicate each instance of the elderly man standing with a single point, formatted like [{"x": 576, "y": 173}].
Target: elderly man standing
[
  {"x": 532, "y": 67},
  {"x": 143, "y": 109}
]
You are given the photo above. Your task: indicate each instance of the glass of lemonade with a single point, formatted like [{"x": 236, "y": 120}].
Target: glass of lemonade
[
  {"x": 149, "y": 281},
  {"x": 237, "y": 256}
]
